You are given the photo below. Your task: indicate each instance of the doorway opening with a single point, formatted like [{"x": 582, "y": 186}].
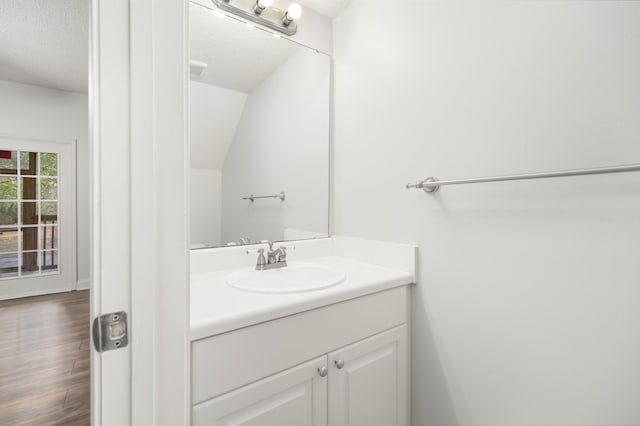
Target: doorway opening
[{"x": 45, "y": 371}]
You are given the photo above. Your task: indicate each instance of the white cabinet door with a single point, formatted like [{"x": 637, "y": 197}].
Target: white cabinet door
[
  {"x": 295, "y": 397},
  {"x": 368, "y": 381}
]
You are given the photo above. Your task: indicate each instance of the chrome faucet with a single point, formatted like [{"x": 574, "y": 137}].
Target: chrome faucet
[{"x": 275, "y": 258}]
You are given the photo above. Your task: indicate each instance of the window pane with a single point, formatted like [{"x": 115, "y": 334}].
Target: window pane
[
  {"x": 29, "y": 188},
  {"x": 8, "y": 188},
  {"x": 8, "y": 213},
  {"x": 28, "y": 163},
  {"x": 8, "y": 265},
  {"x": 49, "y": 189},
  {"x": 8, "y": 162},
  {"x": 49, "y": 260},
  {"x": 48, "y": 164},
  {"x": 9, "y": 240},
  {"x": 49, "y": 237},
  {"x": 29, "y": 264},
  {"x": 29, "y": 230},
  {"x": 29, "y": 213},
  {"x": 30, "y": 238},
  {"x": 49, "y": 212}
]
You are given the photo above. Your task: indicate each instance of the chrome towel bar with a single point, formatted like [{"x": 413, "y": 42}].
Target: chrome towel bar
[
  {"x": 431, "y": 184},
  {"x": 252, "y": 197}
]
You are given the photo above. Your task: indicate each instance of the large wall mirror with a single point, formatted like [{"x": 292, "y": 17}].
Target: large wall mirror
[{"x": 260, "y": 108}]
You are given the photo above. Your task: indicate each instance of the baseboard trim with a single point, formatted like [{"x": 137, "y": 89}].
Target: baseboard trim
[
  {"x": 83, "y": 284},
  {"x": 20, "y": 295}
]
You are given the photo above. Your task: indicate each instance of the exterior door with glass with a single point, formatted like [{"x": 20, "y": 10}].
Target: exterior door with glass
[{"x": 37, "y": 217}]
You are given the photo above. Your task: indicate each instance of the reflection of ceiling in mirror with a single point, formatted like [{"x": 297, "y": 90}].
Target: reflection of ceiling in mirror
[
  {"x": 239, "y": 58},
  {"x": 330, "y": 8}
]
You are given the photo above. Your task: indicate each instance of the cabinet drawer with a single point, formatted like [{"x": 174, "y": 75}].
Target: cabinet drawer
[{"x": 228, "y": 361}]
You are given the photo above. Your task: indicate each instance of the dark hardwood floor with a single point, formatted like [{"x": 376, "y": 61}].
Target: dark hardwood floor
[{"x": 44, "y": 360}]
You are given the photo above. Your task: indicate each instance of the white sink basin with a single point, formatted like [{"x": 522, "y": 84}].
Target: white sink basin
[{"x": 295, "y": 278}]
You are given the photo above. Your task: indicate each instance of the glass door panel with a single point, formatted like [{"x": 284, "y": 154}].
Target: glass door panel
[{"x": 28, "y": 213}]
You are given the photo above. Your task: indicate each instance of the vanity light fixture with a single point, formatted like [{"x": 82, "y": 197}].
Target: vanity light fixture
[{"x": 264, "y": 13}]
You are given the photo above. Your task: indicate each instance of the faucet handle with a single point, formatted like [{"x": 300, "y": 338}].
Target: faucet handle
[
  {"x": 270, "y": 245},
  {"x": 261, "y": 262}
]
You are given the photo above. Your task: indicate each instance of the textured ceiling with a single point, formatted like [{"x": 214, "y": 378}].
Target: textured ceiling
[{"x": 45, "y": 42}]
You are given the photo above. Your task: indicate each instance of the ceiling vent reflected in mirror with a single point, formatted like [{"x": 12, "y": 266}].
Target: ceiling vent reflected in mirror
[
  {"x": 197, "y": 67},
  {"x": 263, "y": 12}
]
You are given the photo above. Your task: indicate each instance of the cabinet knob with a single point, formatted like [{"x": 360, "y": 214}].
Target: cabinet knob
[
  {"x": 322, "y": 371},
  {"x": 339, "y": 363}
]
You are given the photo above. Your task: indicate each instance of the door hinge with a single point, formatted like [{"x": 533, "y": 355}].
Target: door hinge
[{"x": 110, "y": 331}]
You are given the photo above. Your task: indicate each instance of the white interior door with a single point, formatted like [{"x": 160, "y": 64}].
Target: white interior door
[
  {"x": 37, "y": 217},
  {"x": 139, "y": 225},
  {"x": 110, "y": 148}
]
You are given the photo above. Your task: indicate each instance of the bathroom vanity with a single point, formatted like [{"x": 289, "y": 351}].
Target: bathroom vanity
[
  {"x": 332, "y": 356},
  {"x": 320, "y": 341}
]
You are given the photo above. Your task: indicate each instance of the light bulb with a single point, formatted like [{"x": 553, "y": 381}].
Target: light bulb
[
  {"x": 294, "y": 11},
  {"x": 261, "y": 5}
]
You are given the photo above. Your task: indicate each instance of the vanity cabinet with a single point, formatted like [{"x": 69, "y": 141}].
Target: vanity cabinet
[
  {"x": 368, "y": 382},
  {"x": 295, "y": 397},
  {"x": 345, "y": 364}
]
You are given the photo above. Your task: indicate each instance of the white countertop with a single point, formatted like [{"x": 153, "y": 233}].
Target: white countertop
[{"x": 218, "y": 308}]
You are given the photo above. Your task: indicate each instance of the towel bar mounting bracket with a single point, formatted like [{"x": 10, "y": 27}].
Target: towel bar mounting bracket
[{"x": 427, "y": 185}]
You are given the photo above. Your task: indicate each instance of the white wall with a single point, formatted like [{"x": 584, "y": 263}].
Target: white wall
[
  {"x": 38, "y": 112},
  {"x": 281, "y": 144},
  {"x": 527, "y": 310},
  {"x": 214, "y": 114},
  {"x": 206, "y": 199}
]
